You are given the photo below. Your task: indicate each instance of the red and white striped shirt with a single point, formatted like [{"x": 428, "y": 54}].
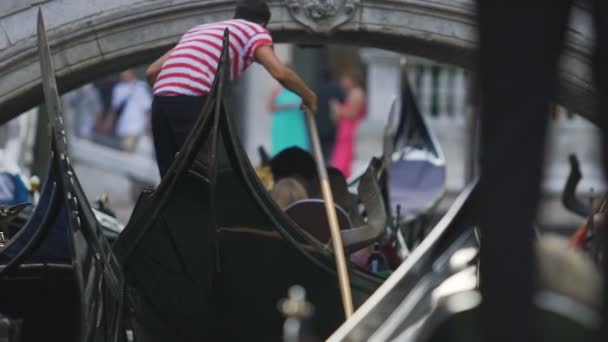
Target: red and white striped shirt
[{"x": 191, "y": 66}]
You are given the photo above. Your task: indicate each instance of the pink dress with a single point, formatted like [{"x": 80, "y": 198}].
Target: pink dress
[{"x": 344, "y": 147}]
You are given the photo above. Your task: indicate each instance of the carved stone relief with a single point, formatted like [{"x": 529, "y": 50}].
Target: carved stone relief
[{"x": 322, "y": 16}]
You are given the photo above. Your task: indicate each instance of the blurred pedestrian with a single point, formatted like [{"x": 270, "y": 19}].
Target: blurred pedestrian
[
  {"x": 129, "y": 114},
  {"x": 328, "y": 90},
  {"x": 105, "y": 85},
  {"x": 347, "y": 116},
  {"x": 86, "y": 106},
  {"x": 289, "y": 128}
]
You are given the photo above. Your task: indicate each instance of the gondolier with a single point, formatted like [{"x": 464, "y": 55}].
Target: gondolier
[{"x": 183, "y": 77}]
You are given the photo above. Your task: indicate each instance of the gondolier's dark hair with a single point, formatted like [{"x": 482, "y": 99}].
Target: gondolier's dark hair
[{"x": 256, "y": 11}]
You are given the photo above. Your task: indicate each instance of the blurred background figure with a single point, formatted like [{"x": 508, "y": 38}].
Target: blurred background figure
[
  {"x": 288, "y": 122},
  {"x": 13, "y": 189},
  {"x": 105, "y": 85},
  {"x": 87, "y": 108},
  {"x": 328, "y": 90},
  {"x": 347, "y": 116},
  {"x": 129, "y": 114}
]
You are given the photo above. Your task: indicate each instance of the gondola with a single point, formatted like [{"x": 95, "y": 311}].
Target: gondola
[
  {"x": 58, "y": 275},
  {"x": 416, "y": 174},
  {"x": 184, "y": 287}
]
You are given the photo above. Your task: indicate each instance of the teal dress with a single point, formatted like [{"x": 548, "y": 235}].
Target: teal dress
[{"x": 288, "y": 123}]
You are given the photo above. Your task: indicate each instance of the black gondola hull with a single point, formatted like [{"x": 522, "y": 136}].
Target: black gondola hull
[{"x": 208, "y": 254}]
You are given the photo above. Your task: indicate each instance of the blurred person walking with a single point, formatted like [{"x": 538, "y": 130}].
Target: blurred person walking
[
  {"x": 129, "y": 113},
  {"x": 348, "y": 116},
  {"x": 86, "y": 107},
  {"x": 289, "y": 128}
]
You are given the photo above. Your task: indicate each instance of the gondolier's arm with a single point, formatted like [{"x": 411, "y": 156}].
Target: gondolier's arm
[
  {"x": 154, "y": 69},
  {"x": 288, "y": 78}
]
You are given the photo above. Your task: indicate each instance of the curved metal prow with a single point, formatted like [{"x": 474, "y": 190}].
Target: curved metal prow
[
  {"x": 390, "y": 131},
  {"x": 569, "y": 199}
]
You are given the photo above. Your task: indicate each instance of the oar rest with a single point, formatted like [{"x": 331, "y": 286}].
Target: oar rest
[
  {"x": 311, "y": 216},
  {"x": 377, "y": 219}
]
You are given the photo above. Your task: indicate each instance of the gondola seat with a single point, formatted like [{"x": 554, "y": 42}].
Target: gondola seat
[{"x": 310, "y": 214}]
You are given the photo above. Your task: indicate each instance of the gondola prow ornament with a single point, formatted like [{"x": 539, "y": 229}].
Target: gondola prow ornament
[{"x": 298, "y": 315}]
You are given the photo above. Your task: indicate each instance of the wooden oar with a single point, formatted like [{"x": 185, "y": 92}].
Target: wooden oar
[{"x": 330, "y": 208}]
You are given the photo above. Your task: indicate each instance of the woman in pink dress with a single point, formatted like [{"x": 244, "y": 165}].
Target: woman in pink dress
[{"x": 347, "y": 117}]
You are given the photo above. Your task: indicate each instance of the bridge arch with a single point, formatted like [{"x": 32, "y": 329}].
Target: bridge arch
[{"x": 91, "y": 39}]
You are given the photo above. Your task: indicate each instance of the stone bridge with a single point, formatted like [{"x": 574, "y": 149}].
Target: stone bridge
[{"x": 92, "y": 38}]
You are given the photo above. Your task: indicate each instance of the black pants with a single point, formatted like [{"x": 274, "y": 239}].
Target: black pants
[
  {"x": 520, "y": 43},
  {"x": 172, "y": 119}
]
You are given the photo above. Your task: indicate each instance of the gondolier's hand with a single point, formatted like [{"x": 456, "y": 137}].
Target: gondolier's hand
[{"x": 310, "y": 103}]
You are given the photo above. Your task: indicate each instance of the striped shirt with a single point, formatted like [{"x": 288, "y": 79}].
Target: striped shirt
[{"x": 191, "y": 66}]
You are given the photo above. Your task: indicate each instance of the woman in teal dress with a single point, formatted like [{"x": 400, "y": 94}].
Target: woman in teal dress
[{"x": 289, "y": 127}]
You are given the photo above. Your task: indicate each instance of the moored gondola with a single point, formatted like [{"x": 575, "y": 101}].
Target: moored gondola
[
  {"x": 57, "y": 274},
  {"x": 413, "y": 173},
  {"x": 416, "y": 172}
]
